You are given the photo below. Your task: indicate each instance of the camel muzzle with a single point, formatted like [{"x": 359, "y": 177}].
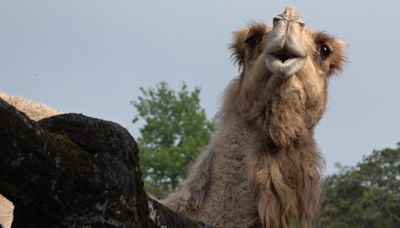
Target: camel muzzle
[{"x": 285, "y": 52}]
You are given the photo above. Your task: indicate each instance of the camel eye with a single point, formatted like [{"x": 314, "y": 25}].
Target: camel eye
[
  {"x": 253, "y": 40},
  {"x": 325, "y": 50}
]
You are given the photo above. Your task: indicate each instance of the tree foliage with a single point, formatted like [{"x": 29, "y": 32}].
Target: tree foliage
[
  {"x": 367, "y": 195},
  {"x": 175, "y": 131}
]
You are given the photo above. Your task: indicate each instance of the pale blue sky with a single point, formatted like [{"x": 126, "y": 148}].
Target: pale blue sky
[{"x": 91, "y": 57}]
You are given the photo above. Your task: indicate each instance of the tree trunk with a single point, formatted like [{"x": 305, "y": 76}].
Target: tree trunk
[{"x": 75, "y": 171}]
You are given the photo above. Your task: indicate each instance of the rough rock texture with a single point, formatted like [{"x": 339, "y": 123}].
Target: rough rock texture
[
  {"x": 75, "y": 171},
  {"x": 35, "y": 111}
]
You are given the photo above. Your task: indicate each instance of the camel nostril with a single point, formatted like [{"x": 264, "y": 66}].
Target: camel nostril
[{"x": 283, "y": 55}]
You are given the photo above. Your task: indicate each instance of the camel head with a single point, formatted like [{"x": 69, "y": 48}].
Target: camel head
[
  {"x": 286, "y": 46},
  {"x": 285, "y": 66}
]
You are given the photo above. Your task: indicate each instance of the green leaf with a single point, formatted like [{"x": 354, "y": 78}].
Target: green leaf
[
  {"x": 175, "y": 131},
  {"x": 367, "y": 195}
]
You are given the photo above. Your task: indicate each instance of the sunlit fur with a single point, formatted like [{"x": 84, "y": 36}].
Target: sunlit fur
[{"x": 262, "y": 168}]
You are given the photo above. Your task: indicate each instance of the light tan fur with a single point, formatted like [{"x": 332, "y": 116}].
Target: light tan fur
[
  {"x": 262, "y": 169},
  {"x": 35, "y": 111},
  {"x": 6, "y": 212}
]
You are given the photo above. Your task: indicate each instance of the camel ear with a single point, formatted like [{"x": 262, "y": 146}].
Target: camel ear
[
  {"x": 338, "y": 57},
  {"x": 238, "y": 46}
]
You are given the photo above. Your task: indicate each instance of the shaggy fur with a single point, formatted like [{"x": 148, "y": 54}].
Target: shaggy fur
[
  {"x": 262, "y": 169},
  {"x": 35, "y": 111},
  {"x": 6, "y": 212}
]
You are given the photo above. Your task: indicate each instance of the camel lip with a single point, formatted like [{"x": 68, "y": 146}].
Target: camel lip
[
  {"x": 284, "y": 64},
  {"x": 286, "y": 52},
  {"x": 283, "y": 55}
]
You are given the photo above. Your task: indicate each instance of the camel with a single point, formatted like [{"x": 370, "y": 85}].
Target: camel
[{"x": 263, "y": 168}]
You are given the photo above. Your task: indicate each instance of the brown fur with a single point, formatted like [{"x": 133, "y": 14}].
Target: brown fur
[{"x": 263, "y": 166}]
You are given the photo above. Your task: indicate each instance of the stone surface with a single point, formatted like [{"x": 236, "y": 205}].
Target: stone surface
[{"x": 75, "y": 171}]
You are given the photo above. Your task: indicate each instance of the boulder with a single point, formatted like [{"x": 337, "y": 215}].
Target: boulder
[{"x": 70, "y": 170}]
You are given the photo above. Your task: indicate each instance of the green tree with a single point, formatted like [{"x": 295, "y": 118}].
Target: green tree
[
  {"x": 175, "y": 130},
  {"x": 367, "y": 195}
]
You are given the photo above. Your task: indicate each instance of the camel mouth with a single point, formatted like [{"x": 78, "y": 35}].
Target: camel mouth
[
  {"x": 283, "y": 55},
  {"x": 285, "y": 63}
]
